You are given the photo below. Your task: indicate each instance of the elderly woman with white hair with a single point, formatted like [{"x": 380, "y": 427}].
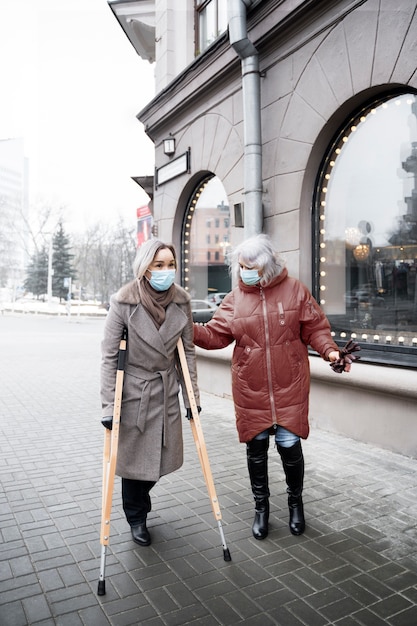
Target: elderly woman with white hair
[
  {"x": 273, "y": 318},
  {"x": 156, "y": 312}
]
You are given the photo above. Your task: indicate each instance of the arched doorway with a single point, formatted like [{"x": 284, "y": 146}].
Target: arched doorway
[{"x": 206, "y": 240}]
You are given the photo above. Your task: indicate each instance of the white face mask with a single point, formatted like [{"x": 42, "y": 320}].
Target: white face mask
[
  {"x": 249, "y": 277},
  {"x": 161, "y": 280}
]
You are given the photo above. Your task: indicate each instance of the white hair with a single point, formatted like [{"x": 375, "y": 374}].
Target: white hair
[
  {"x": 257, "y": 251},
  {"x": 146, "y": 254}
]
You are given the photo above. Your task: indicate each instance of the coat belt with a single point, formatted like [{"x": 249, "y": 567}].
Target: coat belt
[{"x": 146, "y": 375}]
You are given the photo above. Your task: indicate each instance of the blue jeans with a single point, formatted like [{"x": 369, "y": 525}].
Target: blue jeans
[{"x": 283, "y": 437}]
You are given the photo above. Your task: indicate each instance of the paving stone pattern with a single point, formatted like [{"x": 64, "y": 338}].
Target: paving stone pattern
[{"x": 355, "y": 564}]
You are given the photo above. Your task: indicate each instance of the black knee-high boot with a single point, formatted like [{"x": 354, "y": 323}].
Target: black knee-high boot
[
  {"x": 257, "y": 457},
  {"x": 293, "y": 464}
]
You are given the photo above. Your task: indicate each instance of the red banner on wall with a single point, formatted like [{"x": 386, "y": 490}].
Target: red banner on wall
[{"x": 144, "y": 224}]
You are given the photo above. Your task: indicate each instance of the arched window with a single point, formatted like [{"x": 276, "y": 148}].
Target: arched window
[
  {"x": 366, "y": 231},
  {"x": 206, "y": 241}
]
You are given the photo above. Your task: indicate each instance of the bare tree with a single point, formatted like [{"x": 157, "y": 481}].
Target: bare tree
[
  {"x": 23, "y": 233},
  {"x": 104, "y": 257}
]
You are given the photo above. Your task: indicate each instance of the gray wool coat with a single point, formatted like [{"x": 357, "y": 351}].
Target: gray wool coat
[{"x": 150, "y": 435}]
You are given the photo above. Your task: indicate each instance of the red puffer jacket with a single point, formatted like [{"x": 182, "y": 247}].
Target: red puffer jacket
[{"x": 272, "y": 327}]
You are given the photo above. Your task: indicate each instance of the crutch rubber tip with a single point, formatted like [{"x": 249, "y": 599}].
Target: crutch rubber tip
[
  {"x": 226, "y": 555},
  {"x": 101, "y": 591}
]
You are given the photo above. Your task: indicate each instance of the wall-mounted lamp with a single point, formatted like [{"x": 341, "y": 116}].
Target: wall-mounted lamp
[
  {"x": 239, "y": 215},
  {"x": 169, "y": 146}
]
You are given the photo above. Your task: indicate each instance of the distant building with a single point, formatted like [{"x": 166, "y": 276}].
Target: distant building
[{"x": 14, "y": 207}]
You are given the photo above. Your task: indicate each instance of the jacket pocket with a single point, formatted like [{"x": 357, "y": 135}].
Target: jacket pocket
[
  {"x": 143, "y": 407},
  {"x": 241, "y": 356},
  {"x": 136, "y": 397},
  {"x": 289, "y": 363},
  {"x": 249, "y": 370}
]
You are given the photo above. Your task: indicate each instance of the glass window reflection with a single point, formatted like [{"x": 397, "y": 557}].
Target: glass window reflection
[
  {"x": 206, "y": 237},
  {"x": 366, "y": 230},
  {"x": 212, "y": 21}
]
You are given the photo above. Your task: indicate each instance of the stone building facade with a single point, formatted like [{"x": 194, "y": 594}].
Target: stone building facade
[{"x": 332, "y": 86}]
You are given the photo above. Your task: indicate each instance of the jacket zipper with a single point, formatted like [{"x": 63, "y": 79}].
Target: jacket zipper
[{"x": 268, "y": 357}]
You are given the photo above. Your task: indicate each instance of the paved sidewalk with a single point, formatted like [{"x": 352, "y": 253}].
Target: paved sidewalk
[{"x": 355, "y": 564}]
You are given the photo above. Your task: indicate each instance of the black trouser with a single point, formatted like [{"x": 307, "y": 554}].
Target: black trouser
[{"x": 136, "y": 499}]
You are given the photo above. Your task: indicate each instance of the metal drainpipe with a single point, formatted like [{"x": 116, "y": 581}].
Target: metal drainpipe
[{"x": 252, "y": 184}]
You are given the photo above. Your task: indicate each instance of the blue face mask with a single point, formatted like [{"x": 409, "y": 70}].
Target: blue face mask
[
  {"x": 249, "y": 277},
  {"x": 161, "y": 280}
]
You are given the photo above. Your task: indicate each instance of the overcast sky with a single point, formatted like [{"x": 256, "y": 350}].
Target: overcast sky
[{"x": 71, "y": 86}]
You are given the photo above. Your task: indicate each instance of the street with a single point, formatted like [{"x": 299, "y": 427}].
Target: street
[{"x": 355, "y": 564}]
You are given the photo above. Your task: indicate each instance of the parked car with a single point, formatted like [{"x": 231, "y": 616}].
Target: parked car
[
  {"x": 363, "y": 296},
  {"x": 202, "y": 310},
  {"x": 217, "y": 297},
  {"x": 351, "y": 299}
]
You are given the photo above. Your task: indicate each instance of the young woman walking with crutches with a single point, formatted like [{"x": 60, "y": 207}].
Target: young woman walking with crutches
[{"x": 156, "y": 312}]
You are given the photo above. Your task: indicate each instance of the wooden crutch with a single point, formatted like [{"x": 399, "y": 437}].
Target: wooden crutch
[
  {"x": 201, "y": 446},
  {"x": 111, "y": 441}
]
